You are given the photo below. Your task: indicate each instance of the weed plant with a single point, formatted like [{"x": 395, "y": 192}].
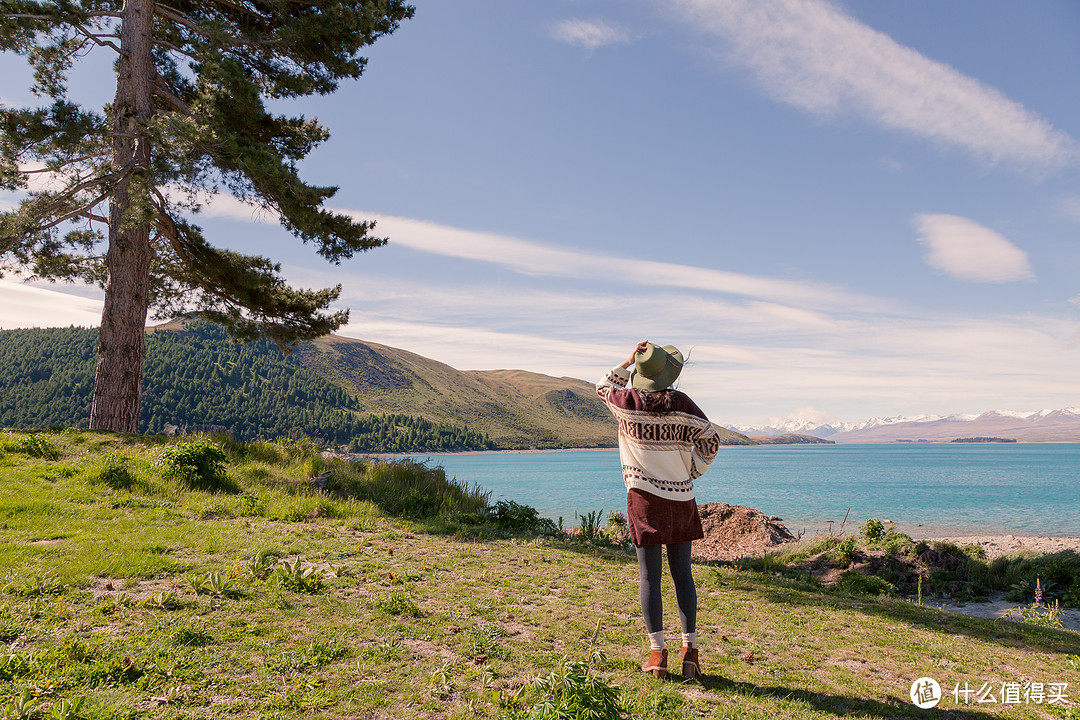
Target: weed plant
[
  {"x": 513, "y": 516},
  {"x": 397, "y": 603},
  {"x": 38, "y": 445},
  {"x": 572, "y": 690},
  {"x": 115, "y": 472},
  {"x": 298, "y": 578},
  {"x": 857, "y": 583},
  {"x": 199, "y": 464},
  {"x": 403, "y": 488},
  {"x": 590, "y": 525}
]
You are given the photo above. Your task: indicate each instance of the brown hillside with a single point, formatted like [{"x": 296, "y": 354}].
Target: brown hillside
[{"x": 516, "y": 408}]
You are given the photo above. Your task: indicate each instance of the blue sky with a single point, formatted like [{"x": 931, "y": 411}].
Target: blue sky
[{"x": 842, "y": 210}]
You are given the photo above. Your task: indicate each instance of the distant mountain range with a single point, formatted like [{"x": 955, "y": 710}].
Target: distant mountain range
[{"x": 1039, "y": 426}]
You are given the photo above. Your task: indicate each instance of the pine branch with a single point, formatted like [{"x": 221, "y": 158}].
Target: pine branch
[
  {"x": 27, "y": 16},
  {"x": 97, "y": 39},
  {"x": 163, "y": 220},
  {"x": 162, "y": 90},
  {"x": 242, "y": 8},
  {"x": 181, "y": 19},
  {"x": 176, "y": 49},
  {"x": 85, "y": 185},
  {"x": 83, "y": 211},
  {"x": 56, "y": 203}
]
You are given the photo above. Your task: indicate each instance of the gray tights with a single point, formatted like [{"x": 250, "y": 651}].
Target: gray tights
[{"x": 650, "y": 563}]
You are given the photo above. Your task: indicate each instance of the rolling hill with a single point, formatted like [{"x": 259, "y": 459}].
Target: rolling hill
[{"x": 516, "y": 408}]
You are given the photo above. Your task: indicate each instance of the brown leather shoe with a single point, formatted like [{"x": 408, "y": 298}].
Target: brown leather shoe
[
  {"x": 657, "y": 664},
  {"x": 691, "y": 668}
]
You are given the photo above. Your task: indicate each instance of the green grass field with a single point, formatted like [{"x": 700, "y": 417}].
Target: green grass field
[{"x": 137, "y": 587}]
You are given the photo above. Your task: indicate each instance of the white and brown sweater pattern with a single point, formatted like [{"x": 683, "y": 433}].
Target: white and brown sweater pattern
[{"x": 660, "y": 454}]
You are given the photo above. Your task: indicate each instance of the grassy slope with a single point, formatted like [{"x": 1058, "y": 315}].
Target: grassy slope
[{"x": 400, "y": 631}]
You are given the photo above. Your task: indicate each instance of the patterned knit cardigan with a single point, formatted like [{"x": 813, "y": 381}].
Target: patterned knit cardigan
[{"x": 660, "y": 454}]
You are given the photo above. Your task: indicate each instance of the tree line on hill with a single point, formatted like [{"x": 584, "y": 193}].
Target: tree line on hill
[{"x": 197, "y": 376}]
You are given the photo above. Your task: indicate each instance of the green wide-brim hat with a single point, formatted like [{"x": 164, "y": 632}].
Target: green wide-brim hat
[{"x": 656, "y": 368}]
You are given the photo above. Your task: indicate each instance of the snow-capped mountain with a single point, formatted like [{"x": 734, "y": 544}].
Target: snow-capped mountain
[
  {"x": 809, "y": 427},
  {"x": 1039, "y": 426}
]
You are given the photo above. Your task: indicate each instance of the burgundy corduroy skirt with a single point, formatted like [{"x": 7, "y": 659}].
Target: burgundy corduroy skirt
[{"x": 655, "y": 520}]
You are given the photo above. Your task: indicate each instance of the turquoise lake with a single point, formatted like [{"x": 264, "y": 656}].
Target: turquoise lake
[{"x": 927, "y": 489}]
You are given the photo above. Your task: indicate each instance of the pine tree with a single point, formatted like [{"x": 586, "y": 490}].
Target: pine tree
[{"x": 188, "y": 120}]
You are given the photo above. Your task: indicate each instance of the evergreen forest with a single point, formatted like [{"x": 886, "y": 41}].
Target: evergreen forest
[{"x": 197, "y": 377}]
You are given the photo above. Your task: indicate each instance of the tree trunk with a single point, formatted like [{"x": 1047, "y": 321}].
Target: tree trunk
[{"x": 118, "y": 381}]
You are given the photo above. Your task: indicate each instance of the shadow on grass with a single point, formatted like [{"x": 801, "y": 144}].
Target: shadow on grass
[
  {"x": 1008, "y": 633},
  {"x": 844, "y": 704}
]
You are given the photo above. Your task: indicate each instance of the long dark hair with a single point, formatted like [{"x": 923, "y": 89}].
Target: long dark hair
[{"x": 660, "y": 402}]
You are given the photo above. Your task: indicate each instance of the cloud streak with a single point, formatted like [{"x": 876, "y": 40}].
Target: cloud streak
[
  {"x": 808, "y": 53},
  {"x": 968, "y": 251},
  {"x": 589, "y": 34},
  {"x": 549, "y": 260},
  {"x": 534, "y": 259},
  {"x": 28, "y": 306}
]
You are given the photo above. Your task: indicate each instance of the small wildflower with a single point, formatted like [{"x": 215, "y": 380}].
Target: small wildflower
[{"x": 1038, "y": 591}]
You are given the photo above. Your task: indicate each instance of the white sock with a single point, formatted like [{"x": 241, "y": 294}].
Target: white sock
[
  {"x": 689, "y": 639},
  {"x": 656, "y": 640}
]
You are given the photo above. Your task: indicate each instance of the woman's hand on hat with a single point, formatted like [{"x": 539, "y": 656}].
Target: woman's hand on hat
[{"x": 633, "y": 356}]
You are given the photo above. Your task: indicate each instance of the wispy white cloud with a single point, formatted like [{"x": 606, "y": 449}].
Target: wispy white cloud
[
  {"x": 534, "y": 259},
  {"x": 28, "y": 306},
  {"x": 589, "y": 34},
  {"x": 969, "y": 251},
  {"x": 809, "y": 53},
  {"x": 550, "y": 260}
]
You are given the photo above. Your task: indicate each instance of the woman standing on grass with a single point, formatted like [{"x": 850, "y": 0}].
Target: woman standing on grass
[{"x": 665, "y": 443}]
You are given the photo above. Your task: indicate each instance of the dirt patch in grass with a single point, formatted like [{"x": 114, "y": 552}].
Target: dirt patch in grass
[{"x": 135, "y": 590}]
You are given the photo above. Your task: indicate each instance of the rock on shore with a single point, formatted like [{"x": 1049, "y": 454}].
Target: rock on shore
[{"x": 735, "y": 531}]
